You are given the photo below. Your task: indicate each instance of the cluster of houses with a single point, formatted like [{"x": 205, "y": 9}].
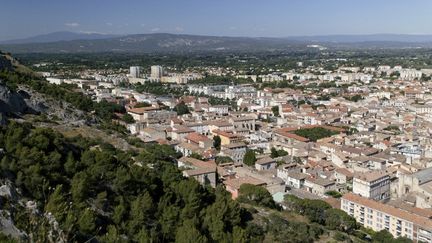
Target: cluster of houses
[{"x": 375, "y": 157}]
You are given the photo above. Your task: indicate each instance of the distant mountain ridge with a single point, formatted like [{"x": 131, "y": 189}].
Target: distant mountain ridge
[
  {"x": 59, "y": 36},
  {"x": 159, "y": 42},
  {"x": 365, "y": 38},
  {"x": 69, "y": 42}
]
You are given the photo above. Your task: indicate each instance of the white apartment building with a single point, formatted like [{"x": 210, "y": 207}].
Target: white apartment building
[
  {"x": 374, "y": 185},
  {"x": 422, "y": 109},
  {"x": 378, "y": 216},
  {"x": 219, "y": 109},
  {"x": 156, "y": 72},
  {"x": 134, "y": 71},
  {"x": 410, "y": 74}
]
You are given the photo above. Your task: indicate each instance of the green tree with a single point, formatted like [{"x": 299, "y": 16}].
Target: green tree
[
  {"x": 181, "y": 109},
  {"x": 112, "y": 235},
  {"x": 338, "y": 219},
  {"x": 87, "y": 221},
  {"x": 79, "y": 187},
  {"x": 217, "y": 142},
  {"x": 120, "y": 212},
  {"x": 168, "y": 221},
  {"x": 249, "y": 158},
  {"x": 277, "y": 153},
  {"x": 334, "y": 194},
  {"x": 382, "y": 236},
  {"x": 223, "y": 159},
  {"x": 275, "y": 110},
  {"x": 128, "y": 118},
  {"x": 57, "y": 204},
  {"x": 274, "y": 153},
  {"x": 189, "y": 233},
  {"x": 196, "y": 156},
  {"x": 256, "y": 195},
  {"x": 315, "y": 133},
  {"x": 141, "y": 212}
]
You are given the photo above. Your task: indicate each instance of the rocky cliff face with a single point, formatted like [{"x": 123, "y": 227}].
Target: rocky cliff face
[
  {"x": 26, "y": 101},
  {"x": 17, "y": 102},
  {"x": 23, "y": 100}
]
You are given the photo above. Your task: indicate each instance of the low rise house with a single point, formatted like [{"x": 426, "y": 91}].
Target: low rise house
[
  {"x": 265, "y": 163},
  {"x": 343, "y": 176},
  {"x": 203, "y": 172},
  {"x": 283, "y": 170},
  {"x": 296, "y": 179},
  {"x": 236, "y": 151},
  {"x": 319, "y": 186},
  {"x": 199, "y": 139},
  {"x": 228, "y": 137}
]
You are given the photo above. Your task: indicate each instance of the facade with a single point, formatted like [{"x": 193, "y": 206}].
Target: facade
[
  {"x": 200, "y": 140},
  {"x": 418, "y": 184},
  {"x": 319, "y": 186},
  {"x": 219, "y": 109},
  {"x": 343, "y": 176},
  {"x": 378, "y": 216},
  {"x": 243, "y": 123},
  {"x": 236, "y": 151},
  {"x": 135, "y": 71},
  {"x": 266, "y": 163},
  {"x": 203, "y": 172},
  {"x": 296, "y": 179},
  {"x": 148, "y": 113},
  {"x": 373, "y": 185},
  {"x": 156, "y": 72},
  {"x": 284, "y": 170},
  {"x": 228, "y": 138}
]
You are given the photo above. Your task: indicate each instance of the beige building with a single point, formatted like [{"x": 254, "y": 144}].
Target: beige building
[
  {"x": 417, "y": 185},
  {"x": 156, "y": 72},
  {"x": 265, "y": 163},
  {"x": 415, "y": 225},
  {"x": 244, "y": 122},
  {"x": 143, "y": 114},
  {"x": 319, "y": 186},
  {"x": 203, "y": 172},
  {"x": 374, "y": 185}
]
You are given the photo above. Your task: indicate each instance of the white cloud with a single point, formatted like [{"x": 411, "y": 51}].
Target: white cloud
[
  {"x": 72, "y": 25},
  {"x": 232, "y": 28},
  {"x": 179, "y": 29},
  {"x": 143, "y": 25},
  {"x": 155, "y": 29},
  {"x": 109, "y": 24}
]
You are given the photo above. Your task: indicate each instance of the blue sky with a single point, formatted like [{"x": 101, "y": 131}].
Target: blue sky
[{"x": 23, "y": 18}]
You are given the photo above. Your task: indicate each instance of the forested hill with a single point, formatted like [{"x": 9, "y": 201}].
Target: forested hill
[
  {"x": 57, "y": 189},
  {"x": 93, "y": 190}
]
